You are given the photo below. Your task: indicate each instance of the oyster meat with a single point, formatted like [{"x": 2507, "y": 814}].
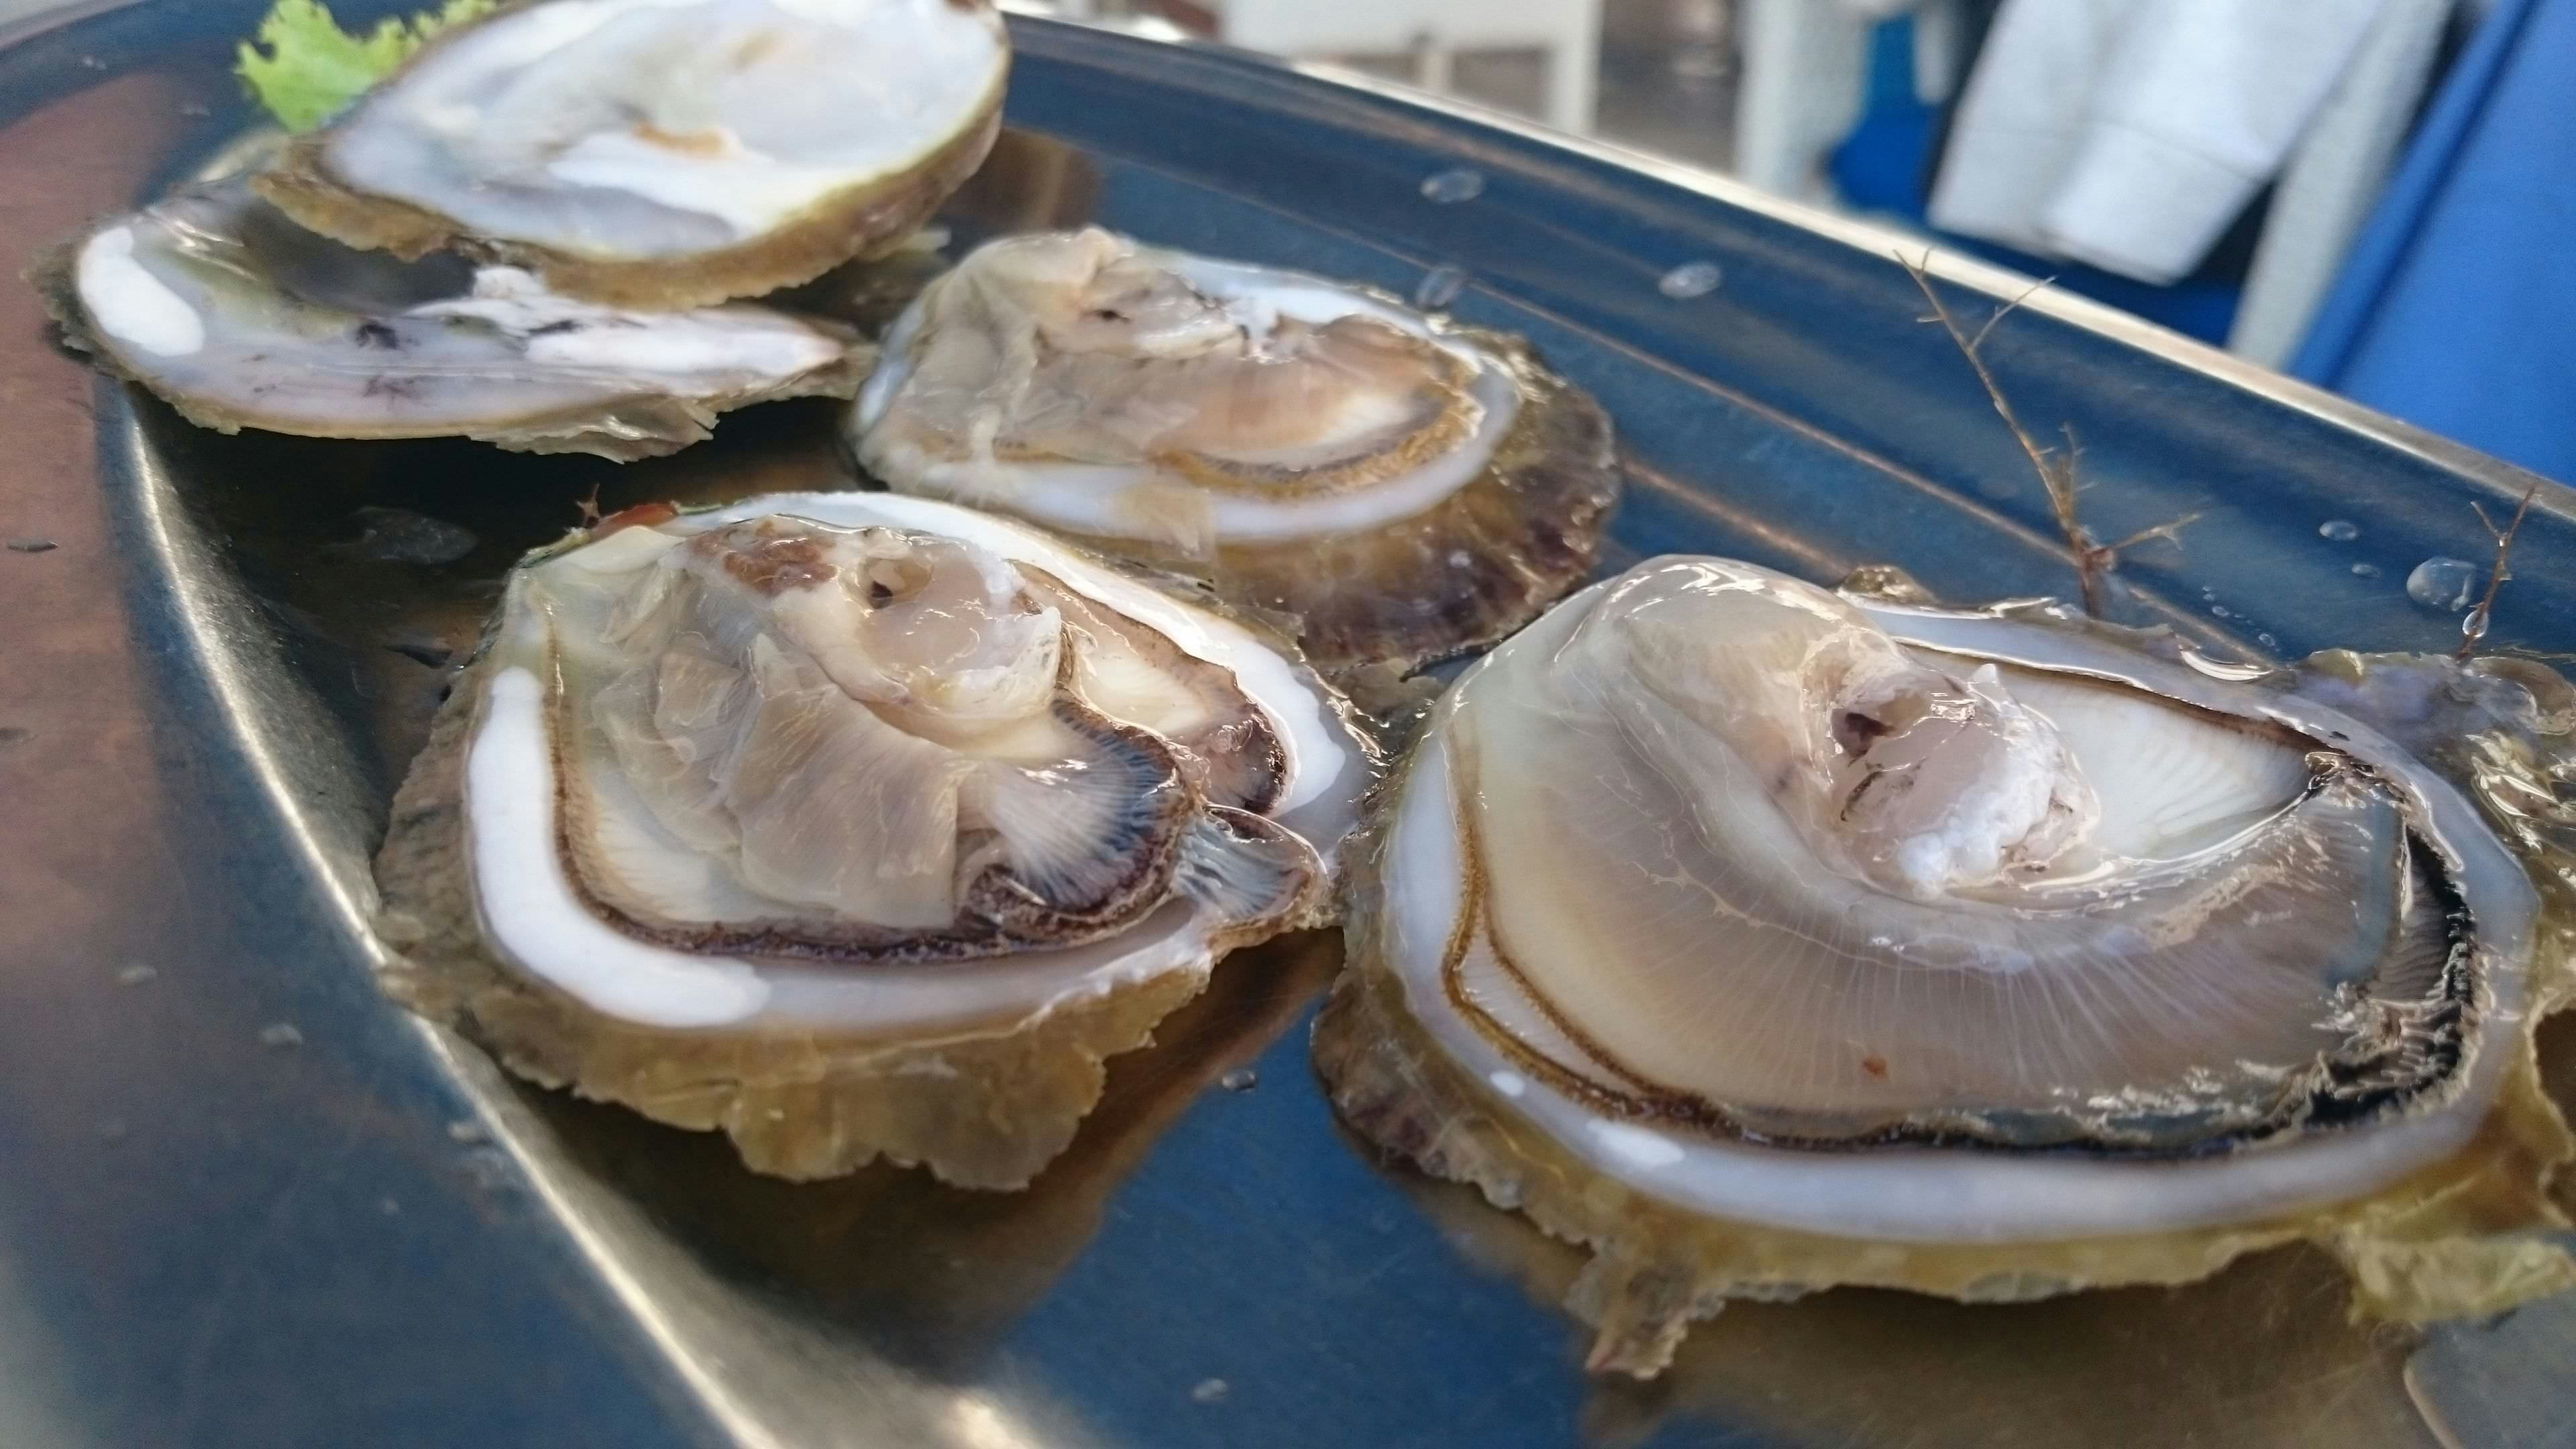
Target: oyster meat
[
  {"x": 1762, "y": 939},
  {"x": 854, "y": 825},
  {"x": 1403, "y": 488},
  {"x": 239, "y": 318},
  {"x": 662, "y": 153}
]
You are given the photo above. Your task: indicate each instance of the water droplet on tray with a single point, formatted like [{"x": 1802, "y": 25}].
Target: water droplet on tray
[
  {"x": 1208, "y": 1391},
  {"x": 2219, "y": 611},
  {"x": 280, "y": 1034},
  {"x": 2443, "y": 583},
  {"x": 2365, "y": 570},
  {"x": 1439, "y": 287},
  {"x": 1459, "y": 183},
  {"x": 2267, "y": 641},
  {"x": 135, "y": 975},
  {"x": 2473, "y": 625},
  {"x": 1241, "y": 1079},
  {"x": 1691, "y": 279},
  {"x": 2339, "y": 530}
]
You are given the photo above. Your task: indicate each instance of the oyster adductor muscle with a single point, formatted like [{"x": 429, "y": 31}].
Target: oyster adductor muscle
[
  {"x": 662, "y": 153},
  {"x": 854, "y": 825},
  {"x": 1765, "y": 939},
  {"x": 239, "y": 318},
  {"x": 1403, "y": 488}
]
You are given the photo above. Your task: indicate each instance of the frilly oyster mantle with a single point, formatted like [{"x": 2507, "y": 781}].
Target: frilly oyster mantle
[
  {"x": 854, "y": 825},
  {"x": 1765, "y": 940}
]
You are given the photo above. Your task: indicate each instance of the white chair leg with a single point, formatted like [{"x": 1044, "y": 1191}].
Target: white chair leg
[
  {"x": 1804, "y": 66},
  {"x": 1574, "y": 74},
  {"x": 1434, "y": 64}
]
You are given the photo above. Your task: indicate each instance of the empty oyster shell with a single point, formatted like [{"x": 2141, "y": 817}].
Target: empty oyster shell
[
  {"x": 1403, "y": 488},
  {"x": 239, "y": 318},
  {"x": 662, "y": 153},
  {"x": 854, "y": 825},
  {"x": 1763, "y": 940}
]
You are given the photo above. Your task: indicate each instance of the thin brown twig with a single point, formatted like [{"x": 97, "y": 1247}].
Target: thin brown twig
[
  {"x": 2001, "y": 312},
  {"x": 1969, "y": 348},
  {"x": 2170, "y": 531},
  {"x": 2056, "y": 469},
  {"x": 2475, "y": 626}
]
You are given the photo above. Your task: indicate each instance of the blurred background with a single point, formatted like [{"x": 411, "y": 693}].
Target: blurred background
[{"x": 2372, "y": 195}]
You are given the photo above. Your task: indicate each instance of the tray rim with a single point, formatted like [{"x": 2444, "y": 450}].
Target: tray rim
[{"x": 506, "y": 1122}]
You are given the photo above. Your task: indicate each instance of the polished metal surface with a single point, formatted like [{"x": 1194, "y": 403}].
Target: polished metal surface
[{"x": 244, "y": 1202}]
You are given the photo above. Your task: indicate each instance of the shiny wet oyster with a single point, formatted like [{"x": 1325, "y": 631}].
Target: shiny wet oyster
[
  {"x": 662, "y": 153},
  {"x": 1764, "y": 940},
  {"x": 1403, "y": 488},
  {"x": 239, "y": 318},
  {"x": 854, "y": 825}
]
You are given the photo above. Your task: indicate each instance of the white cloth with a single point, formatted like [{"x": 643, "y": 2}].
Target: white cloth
[
  {"x": 2334, "y": 178},
  {"x": 2129, "y": 133}
]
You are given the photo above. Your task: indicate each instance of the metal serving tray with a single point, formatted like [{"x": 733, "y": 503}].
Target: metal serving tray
[{"x": 244, "y": 1202}]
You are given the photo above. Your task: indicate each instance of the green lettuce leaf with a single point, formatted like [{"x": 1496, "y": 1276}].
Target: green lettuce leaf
[{"x": 310, "y": 67}]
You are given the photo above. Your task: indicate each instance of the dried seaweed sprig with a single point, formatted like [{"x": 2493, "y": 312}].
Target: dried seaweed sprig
[
  {"x": 2056, "y": 469},
  {"x": 2474, "y": 627}
]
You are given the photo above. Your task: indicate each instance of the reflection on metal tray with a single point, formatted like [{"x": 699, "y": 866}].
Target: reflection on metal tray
[{"x": 249, "y": 1203}]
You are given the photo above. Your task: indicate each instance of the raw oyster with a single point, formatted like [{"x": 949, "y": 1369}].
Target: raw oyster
[
  {"x": 855, "y": 825},
  {"x": 1404, "y": 489},
  {"x": 239, "y": 318},
  {"x": 1764, "y": 940},
  {"x": 662, "y": 153}
]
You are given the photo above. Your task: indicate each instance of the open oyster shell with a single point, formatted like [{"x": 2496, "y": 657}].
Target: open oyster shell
[
  {"x": 1764, "y": 940},
  {"x": 854, "y": 825},
  {"x": 662, "y": 153},
  {"x": 1403, "y": 488},
  {"x": 239, "y": 318}
]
